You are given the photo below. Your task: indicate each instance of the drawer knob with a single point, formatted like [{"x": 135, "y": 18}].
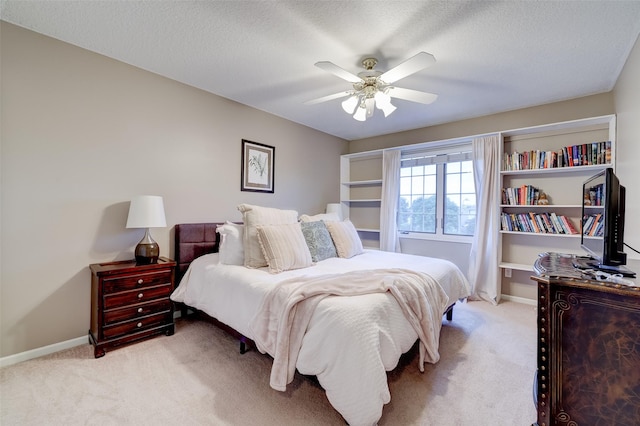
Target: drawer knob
[
  {"x": 139, "y": 324},
  {"x": 139, "y": 310},
  {"x": 140, "y": 295},
  {"x": 140, "y": 281}
]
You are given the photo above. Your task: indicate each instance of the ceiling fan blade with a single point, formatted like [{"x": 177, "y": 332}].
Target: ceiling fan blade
[
  {"x": 340, "y": 72},
  {"x": 328, "y": 98},
  {"x": 412, "y": 95},
  {"x": 412, "y": 65}
]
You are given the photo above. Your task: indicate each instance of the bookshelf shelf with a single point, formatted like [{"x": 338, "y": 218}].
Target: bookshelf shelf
[
  {"x": 517, "y": 266},
  {"x": 364, "y": 200},
  {"x": 540, "y": 206},
  {"x": 541, "y": 234},
  {"x": 363, "y": 182},
  {"x": 557, "y": 170}
]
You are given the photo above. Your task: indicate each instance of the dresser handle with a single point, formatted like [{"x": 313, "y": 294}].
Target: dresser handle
[
  {"x": 139, "y": 310},
  {"x": 139, "y": 324},
  {"x": 140, "y": 295},
  {"x": 140, "y": 281}
]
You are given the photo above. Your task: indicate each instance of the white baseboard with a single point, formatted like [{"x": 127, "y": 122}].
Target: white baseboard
[
  {"x": 45, "y": 350},
  {"x": 517, "y": 299}
]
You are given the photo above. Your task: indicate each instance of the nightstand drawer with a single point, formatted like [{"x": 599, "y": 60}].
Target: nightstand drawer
[
  {"x": 131, "y": 282},
  {"x": 137, "y": 311},
  {"x": 139, "y": 324},
  {"x": 137, "y": 296}
]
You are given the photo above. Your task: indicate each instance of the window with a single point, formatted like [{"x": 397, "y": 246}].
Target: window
[{"x": 437, "y": 192}]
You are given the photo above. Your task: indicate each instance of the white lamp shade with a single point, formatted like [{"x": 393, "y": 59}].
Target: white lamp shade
[
  {"x": 350, "y": 104},
  {"x": 388, "y": 109},
  {"x": 335, "y": 208},
  {"x": 361, "y": 114},
  {"x": 146, "y": 211}
]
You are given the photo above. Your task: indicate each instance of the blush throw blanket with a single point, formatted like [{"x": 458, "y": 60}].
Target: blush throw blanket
[{"x": 280, "y": 324}]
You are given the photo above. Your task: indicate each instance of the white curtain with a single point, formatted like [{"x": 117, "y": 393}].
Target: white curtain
[
  {"x": 484, "y": 263},
  {"x": 389, "y": 240}
]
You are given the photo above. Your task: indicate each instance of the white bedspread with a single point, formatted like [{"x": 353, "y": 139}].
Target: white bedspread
[{"x": 351, "y": 341}]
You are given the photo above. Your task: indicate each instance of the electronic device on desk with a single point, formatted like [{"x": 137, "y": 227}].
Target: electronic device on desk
[{"x": 602, "y": 225}]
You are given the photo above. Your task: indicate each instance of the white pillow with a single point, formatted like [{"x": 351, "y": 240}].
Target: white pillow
[
  {"x": 232, "y": 246},
  {"x": 254, "y": 216},
  {"x": 322, "y": 216},
  {"x": 284, "y": 247},
  {"x": 345, "y": 238}
]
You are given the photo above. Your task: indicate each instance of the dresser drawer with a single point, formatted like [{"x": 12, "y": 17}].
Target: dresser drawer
[
  {"x": 136, "y": 311},
  {"x": 136, "y": 296},
  {"x": 136, "y": 325},
  {"x": 131, "y": 282}
]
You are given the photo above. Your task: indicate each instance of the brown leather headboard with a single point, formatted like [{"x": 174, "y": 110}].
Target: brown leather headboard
[{"x": 194, "y": 240}]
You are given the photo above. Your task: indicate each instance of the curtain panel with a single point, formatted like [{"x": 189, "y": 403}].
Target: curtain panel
[
  {"x": 389, "y": 239},
  {"x": 484, "y": 270}
]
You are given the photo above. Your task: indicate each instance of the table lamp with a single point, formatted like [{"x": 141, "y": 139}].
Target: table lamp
[
  {"x": 146, "y": 211},
  {"x": 335, "y": 208}
]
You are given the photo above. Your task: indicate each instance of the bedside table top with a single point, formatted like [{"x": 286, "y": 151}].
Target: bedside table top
[{"x": 124, "y": 265}]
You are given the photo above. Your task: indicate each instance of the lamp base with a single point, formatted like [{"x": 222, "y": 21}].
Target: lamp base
[{"x": 147, "y": 251}]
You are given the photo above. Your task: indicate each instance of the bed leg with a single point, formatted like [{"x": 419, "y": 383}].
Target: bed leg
[{"x": 450, "y": 313}]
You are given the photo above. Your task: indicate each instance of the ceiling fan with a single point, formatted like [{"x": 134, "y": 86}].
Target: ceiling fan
[{"x": 373, "y": 88}]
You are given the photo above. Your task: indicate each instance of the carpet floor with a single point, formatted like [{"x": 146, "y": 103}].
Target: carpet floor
[{"x": 197, "y": 376}]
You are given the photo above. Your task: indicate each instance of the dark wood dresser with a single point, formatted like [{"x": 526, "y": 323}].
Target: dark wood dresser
[
  {"x": 130, "y": 302},
  {"x": 588, "y": 347}
]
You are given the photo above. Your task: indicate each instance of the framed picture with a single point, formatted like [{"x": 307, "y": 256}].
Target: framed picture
[{"x": 257, "y": 167}]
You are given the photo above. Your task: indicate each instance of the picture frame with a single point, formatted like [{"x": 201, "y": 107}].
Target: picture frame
[{"x": 257, "y": 167}]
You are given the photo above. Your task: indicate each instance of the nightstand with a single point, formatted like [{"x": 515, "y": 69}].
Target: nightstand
[{"x": 130, "y": 302}]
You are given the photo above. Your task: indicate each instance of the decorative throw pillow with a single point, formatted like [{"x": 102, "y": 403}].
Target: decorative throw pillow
[
  {"x": 318, "y": 240},
  {"x": 284, "y": 247},
  {"x": 232, "y": 245},
  {"x": 318, "y": 217},
  {"x": 346, "y": 238},
  {"x": 254, "y": 216}
]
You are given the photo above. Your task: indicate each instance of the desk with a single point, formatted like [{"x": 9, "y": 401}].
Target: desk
[{"x": 588, "y": 347}]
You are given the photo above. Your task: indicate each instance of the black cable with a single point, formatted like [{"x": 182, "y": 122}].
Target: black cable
[{"x": 631, "y": 247}]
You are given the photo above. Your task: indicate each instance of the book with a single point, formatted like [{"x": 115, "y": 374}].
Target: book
[{"x": 568, "y": 224}]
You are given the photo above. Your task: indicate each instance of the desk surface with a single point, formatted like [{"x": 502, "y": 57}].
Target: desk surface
[{"x": 561, "y": 266}]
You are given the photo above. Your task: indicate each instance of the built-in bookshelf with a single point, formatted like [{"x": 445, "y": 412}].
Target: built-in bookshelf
[
  {"x": 553, "y": 160},
  {"x": 361, "y": 193}
]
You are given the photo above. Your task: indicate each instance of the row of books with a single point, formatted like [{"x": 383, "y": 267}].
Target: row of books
[
  {"x": 540, "y": 223},
  {"x": 595, "y": 195},
  {"x": 525, "y": 195},
  {"x": 586, "y": 154},
  {"x": 593, "y": 225}
]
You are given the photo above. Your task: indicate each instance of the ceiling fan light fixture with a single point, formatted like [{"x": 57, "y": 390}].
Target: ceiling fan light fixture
[
  {"x": 373, "y": 89},
  {"x": 349, "y": 105},
  {"x": 361, "y": 113}
]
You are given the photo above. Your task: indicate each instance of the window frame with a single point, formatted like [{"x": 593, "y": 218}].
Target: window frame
[{"x": 440, "y": 150}]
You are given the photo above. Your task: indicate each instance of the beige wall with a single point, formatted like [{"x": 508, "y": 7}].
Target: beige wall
[
  {"x": 627, "y": 103},
  {"x": 82, "y": 134}
]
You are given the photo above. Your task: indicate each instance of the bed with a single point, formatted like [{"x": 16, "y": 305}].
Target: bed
[{"x": 348, "y": 343}]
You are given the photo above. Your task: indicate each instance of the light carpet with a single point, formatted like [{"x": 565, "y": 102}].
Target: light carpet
[{"x": 197, "y": 376}]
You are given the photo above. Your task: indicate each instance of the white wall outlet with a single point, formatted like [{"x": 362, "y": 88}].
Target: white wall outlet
[{"x": 507, "y": 272}]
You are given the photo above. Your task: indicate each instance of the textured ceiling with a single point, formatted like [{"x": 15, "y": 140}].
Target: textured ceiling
[{"x": 490, "y": 56}]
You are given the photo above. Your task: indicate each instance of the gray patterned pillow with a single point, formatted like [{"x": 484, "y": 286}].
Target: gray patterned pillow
[{"x": 319, "y": 240}]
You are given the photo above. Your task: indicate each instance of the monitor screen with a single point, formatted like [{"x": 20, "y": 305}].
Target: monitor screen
[{"x": 602, "y": 226}]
